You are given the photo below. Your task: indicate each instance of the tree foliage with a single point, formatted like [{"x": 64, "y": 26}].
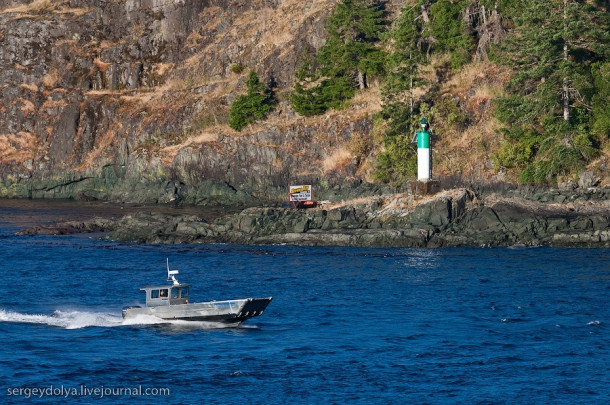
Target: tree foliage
[
  {"x": 450, "y": 32},
  {"x": 601, "y": 99},
  {"x": 344, "y": 62},
  {"x": 254, "y": 105},
  {"x": 351, "y": 50},
  {"x": 557, "y": 105},
  {"x": 423, "y": 29},
  {"x": 404, "y": 56},
  {"x": 554, "y": 107}
]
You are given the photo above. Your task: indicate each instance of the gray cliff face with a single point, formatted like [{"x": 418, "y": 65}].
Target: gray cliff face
[
  {"x": 54, "y": 54},
  {"x": 101, "y": 98}
]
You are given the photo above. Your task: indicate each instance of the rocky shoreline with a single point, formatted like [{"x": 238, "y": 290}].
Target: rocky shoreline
[{"x": 457, "y": 217}]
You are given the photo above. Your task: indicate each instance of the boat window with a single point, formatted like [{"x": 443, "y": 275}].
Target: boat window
[
  {"x": 175, "y": 292},
  {"x": 184, "y": 292},
  {"x": 154, "y": 293},
  {"x": 163, "y": 293}
]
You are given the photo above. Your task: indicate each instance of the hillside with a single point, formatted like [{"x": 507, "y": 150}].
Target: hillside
[{"x": 129, "y": 101}]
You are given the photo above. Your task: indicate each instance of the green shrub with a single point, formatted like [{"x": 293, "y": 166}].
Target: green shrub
[
  {"x": 329, "y": 94},
  {"x": 254, "y": 105},
  {"x": 451, "y": 112},
  {"x": 237, "y": 68},
  {"x": 398, "y": 162}
]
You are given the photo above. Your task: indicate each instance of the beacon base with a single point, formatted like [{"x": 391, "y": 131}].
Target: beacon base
[{"x": 423, "y": 187}]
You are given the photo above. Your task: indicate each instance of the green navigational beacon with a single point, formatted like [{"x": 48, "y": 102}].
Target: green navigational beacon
[{"x": 423, "y": 152}]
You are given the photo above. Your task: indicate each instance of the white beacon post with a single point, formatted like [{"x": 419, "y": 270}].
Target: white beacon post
[{"x": 423, "y": 152}]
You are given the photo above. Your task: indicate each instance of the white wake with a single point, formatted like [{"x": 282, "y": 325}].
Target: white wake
[
  {"x": 64, "y": 319},
  {"x": 84, "y": 319}
]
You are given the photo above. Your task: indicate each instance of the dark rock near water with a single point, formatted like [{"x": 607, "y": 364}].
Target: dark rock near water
[{"x": 453, "y": 218}]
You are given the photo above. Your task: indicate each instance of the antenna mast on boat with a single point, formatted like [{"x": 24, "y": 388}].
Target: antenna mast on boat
[{"x": 171, "y": 274}]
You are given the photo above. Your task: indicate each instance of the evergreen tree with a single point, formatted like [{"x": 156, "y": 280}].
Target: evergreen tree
[
  {"x": 601, "y": 99},
  {"x": 346, "y": 59},
  {"x": 353, "y": 31},
  {"x": 450, "y": 31},
  {"x": 313, "y": 95},
  {"x": 548, "y": 110},
  {"x": 405, "y": 54},
  {"x": 425, "y": 27},
  {"x": 254, "y": 105}
]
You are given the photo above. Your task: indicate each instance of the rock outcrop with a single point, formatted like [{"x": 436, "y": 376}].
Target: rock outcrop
[
  {"x": 128, "y": 101},
  {"x": 452, "y": 218}
]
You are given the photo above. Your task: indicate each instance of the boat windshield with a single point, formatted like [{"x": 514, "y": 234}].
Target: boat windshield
[{"x": 184, "y": 292}]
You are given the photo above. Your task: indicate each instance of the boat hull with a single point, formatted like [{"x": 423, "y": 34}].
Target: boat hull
[{"x": 231, "y": 311}]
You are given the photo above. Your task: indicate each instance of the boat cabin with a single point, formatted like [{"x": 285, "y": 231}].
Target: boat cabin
[{"x": 156, "y": 296}]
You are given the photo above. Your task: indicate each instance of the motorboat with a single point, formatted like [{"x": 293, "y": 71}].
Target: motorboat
[{"x": 171, "y": 302}]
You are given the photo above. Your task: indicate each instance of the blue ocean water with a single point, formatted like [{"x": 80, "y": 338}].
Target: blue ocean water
[{"x": 346, "y": 325}]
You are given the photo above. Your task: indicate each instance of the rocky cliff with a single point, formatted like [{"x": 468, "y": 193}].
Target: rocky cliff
[{"x": 128, "y": 101}]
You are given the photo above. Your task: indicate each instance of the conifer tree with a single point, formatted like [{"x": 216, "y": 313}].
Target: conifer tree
[
  {"x": 254, "y": 105},
  {"x": 425, "y": 27},
  {"x": 353, "y": 29},
  {"x": 449, "y": 31},
  {"x": 405, "y": 54},
  {"x": 548, "y": 110},
  {"x": 601, "y": 99},
  {"x": 345, "y": 61}
]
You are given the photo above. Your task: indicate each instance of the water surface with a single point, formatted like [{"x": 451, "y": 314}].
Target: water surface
[{"x": 345, "y": 325}]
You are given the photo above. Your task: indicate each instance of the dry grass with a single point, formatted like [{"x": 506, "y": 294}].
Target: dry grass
[
  {"x": 140, "y": 98},
  {"x": 160, "y": 69},
  {"x": 96, "y": 154},
  {"x": 106, "y": 44},
  {"x": 94, "y": 93},
  {"x": 54, "y": 104},
  {"x": 27, "y": 106},
  {"x": 337, "y": 159},
  {"x": 37, "y": 8},
  {"x": 468, "y": 153},
  {"x": 25, "y": 8},
  {"x": 262, "y": 30},
  {"x": 280, "y": 30},
  {"x": 46, "y": 6},
  {"x": 51, "y": 79},
  {"x": 488, "y": 91},
  {"x": 210, "y": 135},
  {"x": 350, "y": 203},
  {"x": 599, "y": 166},
  {"x": 468, "y": 75},
  {"x": 17, "y": 147},
  {"x": 368, "y": 100},
  {"x": 79, "y": 12},
  {"x": 29, "y": 86},
  {"x": 485, "y": 78},
  {"x": 101, "y": 65},
  {"x": 203, "y": 137}
]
